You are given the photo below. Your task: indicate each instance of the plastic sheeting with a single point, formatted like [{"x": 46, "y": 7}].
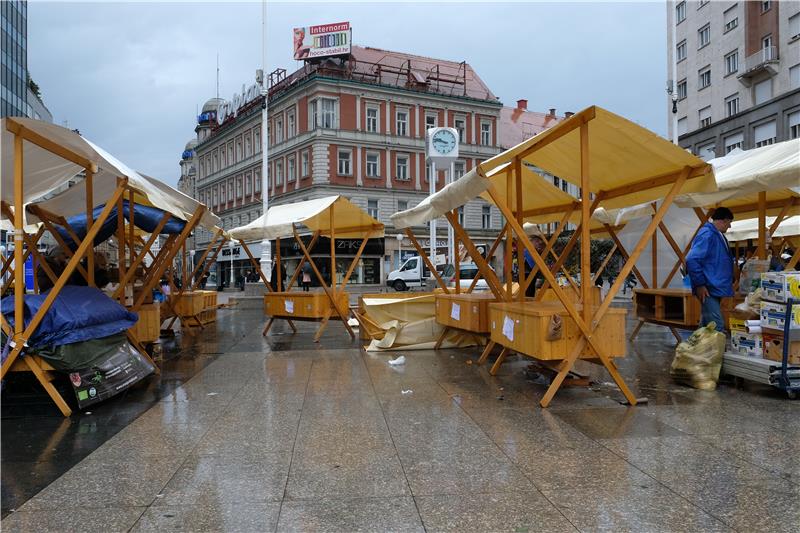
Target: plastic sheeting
[
  {"x": 621, "y": 154},
  {"x": 44, "y": 172},
  {"x": 349, "y": 220},
  {"x": 408, "y": 323},
  {"x": 77, "y": 314},
  {"x": 742, "y": 230},
  {"x": 145, "y": 218}
]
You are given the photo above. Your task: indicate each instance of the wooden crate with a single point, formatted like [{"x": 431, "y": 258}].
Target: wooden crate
[
  {"x": 207, "y": 316},
  {"x": 528, "y": 330},
  {"x": 148, "y": 328},
  {"x": 189, "y": 303},
  {"x": 299, "y": 304},
  {"x": 469, "y": 312},
  {"x": 209, "y": 299},
  {"x": 572, "y": 296},
  {"x": 675, "y": 307}
]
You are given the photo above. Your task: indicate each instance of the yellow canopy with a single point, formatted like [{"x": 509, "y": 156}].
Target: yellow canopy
[
  {"x": 322, "y": 214},
  {"x": 628, "y": 165}
]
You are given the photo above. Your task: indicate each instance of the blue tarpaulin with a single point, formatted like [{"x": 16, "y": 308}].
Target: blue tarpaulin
[
  {"x": 144, "y": 218},
  {"x": 77, "y": 314}
]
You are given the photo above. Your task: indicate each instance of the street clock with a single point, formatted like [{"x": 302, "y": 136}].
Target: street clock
[{"x": 442, "y": 146}]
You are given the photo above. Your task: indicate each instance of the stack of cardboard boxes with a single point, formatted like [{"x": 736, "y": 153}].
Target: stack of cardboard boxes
[
  {"x": 776, "y": 289},
  {"x": 764, "y": 337}
]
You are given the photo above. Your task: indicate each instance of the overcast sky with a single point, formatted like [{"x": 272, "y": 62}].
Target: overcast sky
[{"x": 131, "y": 76}]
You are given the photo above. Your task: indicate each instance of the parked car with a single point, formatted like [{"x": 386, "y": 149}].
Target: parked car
[{"x": 466, "y": 273}]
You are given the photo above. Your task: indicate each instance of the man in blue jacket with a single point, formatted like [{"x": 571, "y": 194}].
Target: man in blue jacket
[{"x": 710, "y": 265}]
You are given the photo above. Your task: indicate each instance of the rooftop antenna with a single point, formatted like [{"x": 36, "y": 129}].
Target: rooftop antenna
[{"x": 217, "y": 74}]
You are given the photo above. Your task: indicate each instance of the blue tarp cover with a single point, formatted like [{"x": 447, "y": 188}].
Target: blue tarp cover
[
  {"x": 144, "y": 218},
  {"x": 77, "y": 314}
]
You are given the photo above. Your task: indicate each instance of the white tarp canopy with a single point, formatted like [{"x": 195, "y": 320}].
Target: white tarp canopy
[
  {"x": 628, "y": 163},
  {"x": 348, "y": 220},
  {"x": 744, "y": 173},
  {"x": 743, "y": 230},
  {"x": 45, "y": 171}
]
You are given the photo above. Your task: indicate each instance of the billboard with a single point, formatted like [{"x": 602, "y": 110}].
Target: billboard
[{"x": 322, "y": 41}]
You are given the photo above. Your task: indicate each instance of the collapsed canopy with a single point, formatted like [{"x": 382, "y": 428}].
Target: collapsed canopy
[
  {"x": 628, "y": 165},
  {"x": 323, "y": 214}
]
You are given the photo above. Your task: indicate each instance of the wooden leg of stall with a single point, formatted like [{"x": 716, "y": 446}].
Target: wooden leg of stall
[
  {"x": 442, "y": 337},
  {"x": 324, "y": 324},
  {"x": 268, "y": 326},
  {"x": 636, "y": 330},
  {"x": 499, "y": 361},
  {"x": 486, "y": 352}
]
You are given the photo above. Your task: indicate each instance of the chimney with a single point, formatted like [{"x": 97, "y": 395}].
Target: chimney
[
  {"x": 552, "y": 112},
  {"x": 568, "y": 114},
  {"x": 522, "y": 104}
]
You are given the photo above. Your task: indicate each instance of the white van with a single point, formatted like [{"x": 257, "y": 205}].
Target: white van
[{"x": 412, "y": 273}]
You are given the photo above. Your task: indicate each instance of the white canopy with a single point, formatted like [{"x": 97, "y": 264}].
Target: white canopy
[
  {"x": 743, "y": 230},
  {"x": 741, "y": 173},
  {"x": 629, "y": 165},
  {"x": 45, "y": 171},
  {"x": 349, "y": 220}
]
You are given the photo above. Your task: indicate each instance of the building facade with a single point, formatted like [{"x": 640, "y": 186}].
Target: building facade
[
  {"x": 355, "y": 127},
  {"x": 14, "y": 72},
  {"x": 736, "y": 67}
]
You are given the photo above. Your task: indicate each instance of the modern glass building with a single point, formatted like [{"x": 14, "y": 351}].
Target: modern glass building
[{"x": 13, "y": 100}]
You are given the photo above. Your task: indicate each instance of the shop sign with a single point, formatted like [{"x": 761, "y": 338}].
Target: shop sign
[
  {"x": 225, "y": 253},
  {"x": 231, "y": 107},
  {"x": 322, "y": 41},
  {"x": 345, "y": 247},
  {"x": 426, "y": 243}
]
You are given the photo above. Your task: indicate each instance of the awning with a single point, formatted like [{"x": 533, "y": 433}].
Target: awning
[
  {"x": 45, "y": 171},
  {"x": 741, "y": 175},
  {"x": 349, "y": 220},
  {"x": 628, "y": 164},
  {"x": 743, "y": 230}
]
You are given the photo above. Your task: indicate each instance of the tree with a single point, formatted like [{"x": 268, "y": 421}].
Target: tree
[{"x": 34, "y": 87}]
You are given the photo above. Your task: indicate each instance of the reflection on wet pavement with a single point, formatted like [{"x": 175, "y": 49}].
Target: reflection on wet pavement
[{"x": 245, "y": 433}]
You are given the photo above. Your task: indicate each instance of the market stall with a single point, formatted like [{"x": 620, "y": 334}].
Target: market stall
[
  {"x": 39, "y": 163},
  {"x": 332, "y": 217},
  {"x": 617, "y": 164}
]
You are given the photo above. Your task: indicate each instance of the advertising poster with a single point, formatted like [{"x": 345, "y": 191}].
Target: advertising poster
[{"x": 322, "y": 41}]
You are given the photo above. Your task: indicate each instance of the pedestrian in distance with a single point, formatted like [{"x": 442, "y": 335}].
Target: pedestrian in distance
[{"x": 710, "y": 266}]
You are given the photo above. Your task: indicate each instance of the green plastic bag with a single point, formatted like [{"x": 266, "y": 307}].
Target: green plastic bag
[{"x": 698, "y": 359}]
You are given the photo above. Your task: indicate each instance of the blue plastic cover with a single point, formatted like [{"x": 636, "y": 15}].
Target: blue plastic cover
[
  {"x": 144, "y": 218},
  {"x": 77, "y": 314}
]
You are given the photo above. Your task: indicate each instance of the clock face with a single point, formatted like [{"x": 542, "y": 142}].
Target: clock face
[{"x": 444, "y": 141}]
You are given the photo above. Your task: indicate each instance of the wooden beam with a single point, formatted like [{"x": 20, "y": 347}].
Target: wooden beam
[
  {"x": 626, "y": 257},
  {"x": 302, "y": 262},
  {"x": 762, "y": 225},
  {"x": 491, "y": 277},
  {"x": 427, "y": 261},
  {"x": 19, "y": 263},
  {"x": 586, "y": 215},
  {"x": 604, "y": 263},
  {"x": 194, "y": 279},
  {"x": 89, "y": 180},
  {"x": 22, "y": 132},
  {"x": 517, "y": 170},
  {"x": 489, "y": 256},
  {"x": 354, "y": 262},
  {"x": 650, "y": 183},
  {"x": 138, "y": 260}
]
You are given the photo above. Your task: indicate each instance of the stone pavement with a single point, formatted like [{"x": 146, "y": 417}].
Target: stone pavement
[{"x": 281, "y": 434}]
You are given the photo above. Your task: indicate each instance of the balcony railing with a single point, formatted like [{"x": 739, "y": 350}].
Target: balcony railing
[{"x": 761, "y": 58}]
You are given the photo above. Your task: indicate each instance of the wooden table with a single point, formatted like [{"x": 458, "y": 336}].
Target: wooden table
[
  {"x": 468, "y": 313},
  {"x": 673, "y": 308},
  {"x": 304, "y": 306},
  {"x": 522, "y": 327}
]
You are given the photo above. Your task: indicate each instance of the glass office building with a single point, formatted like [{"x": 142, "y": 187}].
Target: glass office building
[{"x": 14, "y": 42}]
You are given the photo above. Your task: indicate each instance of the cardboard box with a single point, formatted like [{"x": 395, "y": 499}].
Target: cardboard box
[
  {"x": 773, "y": 315},
  {"x": 773, "y": 349},
  {"x": 736, "y": 324},
  {"x": 780, "y": 286},
  {"x": 750, "y": 344}
]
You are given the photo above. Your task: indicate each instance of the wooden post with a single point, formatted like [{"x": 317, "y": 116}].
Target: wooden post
[
  {"x": 426, "y": 260},
  {"x": 517, "y": 170},
  {"x": 138, "y": 260},
  {"x": 298, "y": 270},
  {"x": 491, "y": 278},
  {"x": 19, "y": 262},
  {"x": 586, "y": 214},
  {"x": 762, "y": 225},
  {"x": 456, "y": 259},
  {"x": 278, "y": 270},
  {"x": 489, "y": 255},
  {"x": 89, "y": 219},
  {"x": 509, "y": 256},
  {"x": 121, "y": 245},
  {"x": 654, "y": 255},
  {"x": 333, "y": 251}
]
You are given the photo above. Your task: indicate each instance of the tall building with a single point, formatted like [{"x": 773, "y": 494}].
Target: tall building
[
  {"x": 14, "y": 73},
  {"x": 736, "y": 67},
  {"x": 356, "y": 127}
]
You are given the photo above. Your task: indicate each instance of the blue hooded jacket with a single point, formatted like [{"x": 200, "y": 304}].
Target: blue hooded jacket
[{"x": 710, "y": 262}]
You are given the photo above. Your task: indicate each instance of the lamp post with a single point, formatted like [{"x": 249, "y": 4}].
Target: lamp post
[
  {"x": 266, "y": 248},
  {"x": 191, "y": 271},
  {"x": 399, "y": 238},
  {"x": 230, "y": 249}
]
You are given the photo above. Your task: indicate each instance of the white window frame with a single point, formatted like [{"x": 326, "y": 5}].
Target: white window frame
[
  {"x": 239, "y": 186},
  {"x": 248, "y": 145},
  {"x": 459, "y": 169},
  {"x": 323, "y": 112},
  {"x": 373, "y": 168},
  {"x": 486, "y": 133},
  {"x": 704, "y": 36},
  {"x": 373, "y": 208},
  {"x": 257, "y": 139},
  {"x": 304, "y": 163},
  {"x": 257, "y": 181},
  {"x": 731, "y": 22},
  {"x": 766, "y": 5},
  {"x": 291, "y": 124},
  {"x": 794, "y": 27},
  {"x": 401, "y": 131},
  {"x": 373, "y": 124},
  {"x": 291, "y": 169},
  {"x": 793, "y": 129},
  {"x": 278, "y": 130},
  {"x": 460, "y": 213},
  {"x": 401, "y": 167},
  {"x": 703, "y": 78},
  {"x": 431, "y": 115},
  {"x": 732, "y": 142},
  {"x": 278, "y": 172},
  {"x": 704, "y": 116},
  {"x": 732, "y": 105},
  {"x": 680, "y": 51},
  {"x": 680, "y": 12},
  {"x": 402, "y": 205},
  {"x": 732, "y": 62},
  {"x": 766, "y": 141},
  {"x": 248, "y": 184},
  {"x": 344, "y": 165},
  {"x": 486, "y": 217},
  {"x": 462, "y": 131},
  {"x": 430, "y": 169},
  {"x": 682, "y": 89}
]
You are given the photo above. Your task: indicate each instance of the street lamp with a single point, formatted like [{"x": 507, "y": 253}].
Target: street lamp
[
  {"x": 266, "y": 247},
  {"x": 230, "y": 248},
  {"x": 399, "y": 238}
]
